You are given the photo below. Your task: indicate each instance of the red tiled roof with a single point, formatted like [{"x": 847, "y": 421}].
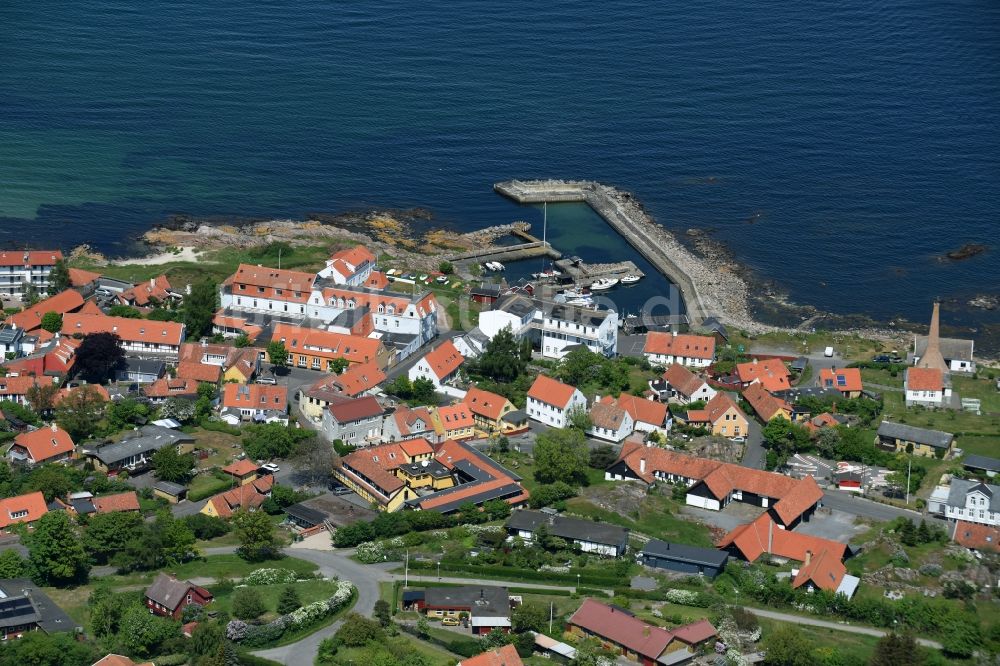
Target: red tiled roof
[
  {"x": 456, "y": 417},
  {"x": 359, "y": 377},
  {"x": 118, "y": 660},
  {"x": 91, "y": 308},
  {"x": 416, "y": 447},
  {"x": 976, "y": 536},
  {"x": 31, "y": 318},
  {"x": 766, "y": 405},
  {"x": 690, "y": 346},
  {"x": 624, "y": 629},
  {"x": 719, "y": 405},
  {"x": 30, "y": 258},
  {"x": 641, "y": 409},
  {"x": 444, "y": 360},
  {"x": 450, "y": 452},
  {"x": 157, "y": 288},
  {"x": 607, "y": 415},
  {"x": 248, "y": 496},
  {"x": 114, "y": 503},
  {"x": 33, "y": 503},
  {"x": 18, "y": 386},
  {"x": 406, "y": 419},
  {"x": 793, "y": 503},
  {"x": 278, "y": 284},
  {"x": 165, "y": 387},
  {"x": 199, "y": 372},
  {"x": 696, "y": 632},
  {"x": 354, "y": 410},
  {"x": 825, "y": 570},
  {"x": 503, "y": 656},
  {"x": 375, "y": 464},
  {"x": 46, "y": 442},
  {"x": 130, "y": 330},
  {"x": 485, "y": 403},
  {"x": 241, "y": 468},
  {"x": 752, "y": 541},
  {"x": 324, "y": 344},
  {"x": 551, "y": 391},
  {"x": 377, "y": 280},
  {"x": 845, "y": 380},
  {"x": 924, "y": 379},
  {"x": 682, "y": 379},
  {"x": 770, "y": 372},
  {"x": 255, "y": 396},
  {"x": 354, "y": 256},
  {"x": 81, "y": 278},
  {"x": 91, "y": 388}
]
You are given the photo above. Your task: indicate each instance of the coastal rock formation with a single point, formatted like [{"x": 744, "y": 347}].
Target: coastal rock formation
[{"x": 967, "y": 251}]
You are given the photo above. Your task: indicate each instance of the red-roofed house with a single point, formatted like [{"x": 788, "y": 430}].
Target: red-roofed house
[
  {"x": 81, "y": 279},
  {"x": 55, "y": 360},
  {"x": 137, "y": 335},
  {"x": 976, "y": 536},
  {"x": 454, "y": 422},
  {"x": 621, "y": 632},
  {"x": 248, "y": 497},
  {"x": 199, "y": 372},
  {"x": 610, "y": 422},
  {"x": 21, "y": 509},
  {"x": 117, "y": 503},
  {"x": 721, "y": 416},
  {"x": 155, "y": 291},
  {"x": 678, "y": 384},
  {"x": 845, "y": 380},
  {"x": 502, "y": 656},
  {"x": 242, "y": 471},
  {"x": 259, "y": 402},
  {"x": 440, "y": 365},
  {"x": 488, "y": 409},
  {"x": 165, "y": 388},
  {"x": 316, "y": 349},
  {"x": 15, "y": 389},
  {"x": 47, "y": 444},
  {"x": 771, "y": 373},
  {"x": 696, "y": 351},
  {"x": 928, "y": 387},
  {"x": 351, "y": 266},
  {"x": 30, "y": 319},
  {"x": 408, "y": 423},
  {"x": 766, "y": 405},
  {"x": 20, "y": 267},
  {"x": 647, "y": 415},
  {"x": 551, "y": 402}
]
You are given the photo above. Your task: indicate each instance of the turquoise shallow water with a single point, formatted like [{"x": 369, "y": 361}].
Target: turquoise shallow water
[{"x": 861, "y": 139}]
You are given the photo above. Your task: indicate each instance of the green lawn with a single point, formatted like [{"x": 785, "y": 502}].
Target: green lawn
[
  {"x": 853, "y": 648},
  {"x": 851, "y": 347},
  {"x": 975, "y": 434},
  {"x": 214, "y": 566},
  {"x": 309, "y": 591},
  {"x": 206, "y": 485},
  {"x": 400, "y": 644},
  {"x": 881, "y": 376},
  {"x": 656, "y": 516}
]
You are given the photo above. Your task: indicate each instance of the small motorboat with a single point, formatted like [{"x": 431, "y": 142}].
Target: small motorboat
[
  {"x": 575, "y": 292},
  {"x": 631, "y": 278},
  {"x": 583, "y": 301},
  {"x": 603, "y": 284},
  {"x": 493, "y": 266},
  {"x": 499, "y": 266},
  {"x": 551, "y": 273}
]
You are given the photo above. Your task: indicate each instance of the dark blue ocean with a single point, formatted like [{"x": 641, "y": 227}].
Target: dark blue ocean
[{"x": 836, "y": 147}]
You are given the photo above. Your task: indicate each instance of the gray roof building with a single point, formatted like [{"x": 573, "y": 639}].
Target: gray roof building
[
  {"x": 907, "y": 433},
  {"x": 571, "y": 529},
  {"x": 477, "y": 599},
  {"x": 146, "y": 440},
  {"x": 983, "y": 463},
  {"x": 710, "y": 557},
  {"x": 960, "y": 488},
  {"x": 23, "y": 604},
  {"x": 951, "y": 348}
]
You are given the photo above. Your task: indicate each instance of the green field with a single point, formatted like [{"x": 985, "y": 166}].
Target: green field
[
  {"x": 401, "y": 644},
  {"x": 655, "y": 517},
  {"x": 309, "y": 591}
]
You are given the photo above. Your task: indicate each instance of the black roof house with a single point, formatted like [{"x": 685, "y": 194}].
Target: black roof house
[
  {"x": 683, "y": 558},
  {"x": 576, "y": 530}
]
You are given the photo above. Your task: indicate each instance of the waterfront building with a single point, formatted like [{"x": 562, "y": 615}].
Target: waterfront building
[
  {"x": 21, "y": 269},
  {"x": 696, "y": 351}
]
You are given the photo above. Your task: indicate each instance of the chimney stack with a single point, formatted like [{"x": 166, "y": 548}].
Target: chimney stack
[
  {"x": 642, "y": 465},
  {"x": 932, "y": 357},
  {"x": 53, "y": 426},
  {"x": 809, "y": 556},
  {"x": 770, "y": 536}
]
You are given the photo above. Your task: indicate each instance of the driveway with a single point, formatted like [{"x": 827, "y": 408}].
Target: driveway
[
  {"x": 856, "y": 506},
  {"x": 754, "y": 454},
  {"x": 831, "y": 524}
]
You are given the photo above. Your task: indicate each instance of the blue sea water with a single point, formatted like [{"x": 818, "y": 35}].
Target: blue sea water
[{"x": 837, "y": 147}]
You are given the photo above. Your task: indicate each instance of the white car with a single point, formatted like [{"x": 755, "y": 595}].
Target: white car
[
  {"x": 441, "y": 279},
  {"x": 270, "y": 467}
]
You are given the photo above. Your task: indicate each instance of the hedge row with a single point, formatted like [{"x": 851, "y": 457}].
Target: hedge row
[{"x": 586, "y": 576}]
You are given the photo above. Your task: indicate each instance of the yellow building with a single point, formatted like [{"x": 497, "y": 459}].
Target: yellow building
[
  {"x": 454, "y": 422},
  {"x": 903, "y": 438},
  {"x": 488, "y": 410},
  {"x": 374, "y": 473}
]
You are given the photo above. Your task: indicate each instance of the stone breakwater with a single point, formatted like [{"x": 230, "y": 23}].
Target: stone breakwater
[{"x": 710, "y": 286}]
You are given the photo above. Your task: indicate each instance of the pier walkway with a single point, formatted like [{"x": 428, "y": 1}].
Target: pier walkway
[
  {"x": 624, "y": 215},
  {"x": 508, "y": 253}
]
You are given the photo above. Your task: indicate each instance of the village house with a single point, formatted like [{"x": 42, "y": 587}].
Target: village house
[
  {"x": 845, "y": 380},
  {"x": 902, "y": 438},
  {"x": 552, "y": 402},
  {"x": 315, "y": 349},
  {"x": 55, "y": 358},
  {"x": 680, "y": 385},
  {"x": 231, "y": 364},
  {"x": 976, "y": 536},
  {"x": 501, "y": 656},
  {"x": 454, "y": 422},
  {"x": 487, "y": 607},
  {"x": 153, "y": 292},
  {"x": 515, "y": 313},
  {"x": 439, "y": 366},
  {"x": 982, "y": 466},
  {"x": 610, "y": 422},
  {"x": 83, "y": 281},
  {"x": 490, "y": 411},
  {"x": 771, "y": 373},
  {"x": 256, "y": 402},
  {"x": 85, "y": 504},
  {"x": 409, "y": 423},
  {"x": 137, "y": 335},
  {"x": 696, "y": 351},
  {"x": 21, "y": 510},
  {"x": 172, "y": 492},
  {"x": 21, "y": 268},
  {"x": 681, "y": 558},
  {"x": 140, "y": 370},
  {"x": 647, "y": 415},
  {"x": 619, "y": 631},
  {"x": 356, "y": 381},
  {"x": 485, "y": 293},
  {"x": 168, "y": 596},
  {"x": 352, "y": 266},
  {"x": 713, "y": 485},
  {"x": 958, "y": 354},
  {"x": 973, "y": 502},
  {"x": 11, "y": 342},
  {"x": 927, "y": 387},
  {"x": 243, "y": 471},
  {"x": 357, "y": 421},
  {"x": 248, "y": 497},
  {"x": 766, "y": 406},
  {"x": 166, "y": 388},
  {"x": 587, "y": 535},
  {"x": 721, "y": 416},
  {"x": 15, "y": 389},
  {"x": 25, "y": 608},
  {"x": 30, "y": 319},
  {"x": 132, "y": 453},
  {"x": 47, "y": 444}
]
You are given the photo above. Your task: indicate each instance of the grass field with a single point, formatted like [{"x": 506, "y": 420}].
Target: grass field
[
  {"x": 655, "y": 517},
  {"x": 206, "y": 485},
  {"x": 851, "y": 347},
  {"x": 309, "y": 591},
  {"x": 401, "y": 644}
]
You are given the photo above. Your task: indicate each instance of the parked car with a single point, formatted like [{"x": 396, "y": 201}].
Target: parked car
[
  {"x": 450, "y": 621},
  {"x": 270, "y": 467},
  {"x": 342, "y": 490},
  {"x": 267, "y": 379},
  {"x": 441, "y": 279},
  {"x": 881, "y": 358}
]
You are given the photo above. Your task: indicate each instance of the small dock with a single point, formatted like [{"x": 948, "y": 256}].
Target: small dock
[
  {"x": 508, "y": 253},
  {"x": 583, "y": 274}
]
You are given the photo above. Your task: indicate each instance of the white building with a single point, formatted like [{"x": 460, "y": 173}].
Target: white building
[
  {"x": 20, "y": 268},
  {"x": 973, "y": 502},
  {"x": 352, "y": 266},
  {"x": 927, "y": 387},
  {"x": 440, "y": 365},
  {"x": 695, "y": 351},
  {"x": 551, "y": 402},
  {"x": 958, "y": 354},
  {"x": 681, "y": 386},
  {"x": 610, "y": 422},
  {"x": 357, "y": 422},
  {"x": 557, "y": 326}
]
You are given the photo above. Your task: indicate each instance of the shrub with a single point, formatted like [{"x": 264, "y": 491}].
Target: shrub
[
  {"x": 247, "y": 604},
  {"x": 269, "y": 576}
]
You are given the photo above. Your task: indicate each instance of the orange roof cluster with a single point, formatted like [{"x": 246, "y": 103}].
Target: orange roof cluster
[
  {"x": 325, "y": 344},
  {"x": 241, "y": 468},
  {"x": 354, "y": 257},
  {"x": 247, "y": 496},
  {"x": 30, "y": 319},
  {"x": 274, "y": 283},
  {"x": 128, "y": 501},
  {"x": 45, "y": 443},
  {"x": 81, "y": 278},
  {"x": 168, "y": 387},
  {"x": 17, "y": 387},
  {"x": 94, "y": 389},
  {"x": 199, "y": 372},
  {"x": 55, "y": 361},
  {"x": 406, "y": 419},
  {"x": 641, "y": 409},
  {"x": 30, "y": 257},
  {"x": 924, "y": 379},
  {"x": 766, "y": 405},
  {"x": 221, "y": 320},
  {"x": 845, "y": 380},
  {"x": 682, "y": 379},
  {"x": 491, "y": 482},
  {"x": 359, "y": 378},
  {"x": 255, "y": 396},
  {"x": 687, "y": 346},
  {"x": 715, "y": 409},
  {"x": 483, "y": 403},
  {"x": 144, "y": 293},
  {"x": 22, "y": 509},
  {"x": 824, "y": 570},
  {"x": 444, "y": 359},
  {"x": 770, "y": 372},
  {"x": 551, "y": 391},
  {"x": 129, "y": 330},
  {"x": 373, "y": 467},
  {"x": 763, "y": 535}
]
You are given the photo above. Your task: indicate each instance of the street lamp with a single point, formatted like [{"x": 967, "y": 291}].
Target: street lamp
[{"x": 439, "y": 569}]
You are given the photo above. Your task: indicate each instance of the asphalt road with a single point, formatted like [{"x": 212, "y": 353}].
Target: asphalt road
[
  {"x": 836, "y": 626},
  {"x": 858, "y": 506}
]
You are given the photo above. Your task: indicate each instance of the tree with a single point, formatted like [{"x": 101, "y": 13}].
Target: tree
[
  {"x": 924, "y": 533},
  {"x": 501, "y": 359},
  {"x": 828, "y": 443},
  {"x": 446, "y": 267},
  {"x": 423, "y": 627},
  {"x": 181, "y": 409},
  {"x": 124, "y": 413},
  {"x": 579, "y": 419},
  {"x": 423, "y": 389},
  {"x": 242, "y": 340},
  {"x": 256, "y": 535},
  {"x": 529, "y": 616},
  {"x": 53, "y": 480},
  {"x": 603, "y": 457},
  {"x": 98, "y": 356},
  {"x": 12, "y": 565},
  {"x": 785, "y": 438},
  {"x": 382, "y": 612},
  {"x": 52, "y": 322},
  {"x": 80, "y": 412},
  {"x": 268, "y": 440},
  {"x": 55, "y": 554},
  {"x": 315, "y": 459},
  {"x": 786, "y": 646},
  {"x": 107, "y": 534},
  {"x": 206, "y": 639},
  {"x": 561, "y": 455},
  {"x": 142, "y": 633},
  {"x": 168, "y": 465},
  {"x": 206, "y": 527},
  {"x": 896, "y": 650},
  {"x": 248, "y": 604},
  {"x": 908, "y": 533},
  {"x": 59, "y": 279},
  {"x": 42, "y": 397},
  {"x": 288, "y": 601},
  {"x": 962, "y": 638},
  {"x": 338, "y": 365},
  {"x": 39, "y": 648},
  {"x": 493, "y": 640},
  {"x": 277, "y": 354},
  {"x": 199, "y": 309},
  {"x": 176, "y": 537},
  {"x": 358, "y": 631},
  {"x": 126, "y": 311}
]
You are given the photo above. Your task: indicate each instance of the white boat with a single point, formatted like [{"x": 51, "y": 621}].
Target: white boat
[
  {"x": 546, "y": 274},
  {"x": 575, "y": 292},
  {"x": 603, "y": 284},
  {"x": 631, "y": 278},
  {"x": 584, "y": 301},
  {"x": 498, "y": 265},
  {"x": 491, "y": 266}
]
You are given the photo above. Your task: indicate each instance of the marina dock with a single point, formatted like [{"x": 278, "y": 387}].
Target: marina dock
[{"x": 626, "y": 216}]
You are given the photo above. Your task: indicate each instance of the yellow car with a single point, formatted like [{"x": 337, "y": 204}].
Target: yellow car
[{"x": 450, "y": 621}]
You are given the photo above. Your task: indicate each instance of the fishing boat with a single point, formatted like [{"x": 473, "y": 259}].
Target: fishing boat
[
  {"x": 603, "y": 284},
  {"x": 582, "y": 301},
  {"x": 551, "y": 273},
  {"x": 631, "y": 278},
  {"x": 575, "y": 292}
]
